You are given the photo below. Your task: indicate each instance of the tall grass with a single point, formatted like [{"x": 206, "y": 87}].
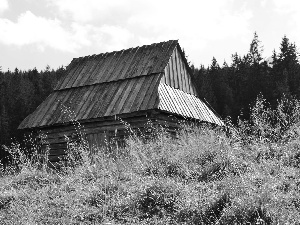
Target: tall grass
[{"x": 245, "y": 174}]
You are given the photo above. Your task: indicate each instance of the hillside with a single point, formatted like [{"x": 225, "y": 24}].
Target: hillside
[{"x": 247, "y": 173}]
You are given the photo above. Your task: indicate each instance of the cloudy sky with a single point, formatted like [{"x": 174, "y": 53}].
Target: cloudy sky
[{"x": 36, "y": 33}]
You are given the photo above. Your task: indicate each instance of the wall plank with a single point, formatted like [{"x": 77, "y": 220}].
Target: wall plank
[{"x": 176, "y": 74}]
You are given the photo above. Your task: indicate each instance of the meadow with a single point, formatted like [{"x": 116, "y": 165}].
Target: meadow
[{"x": 247, "y": 173}]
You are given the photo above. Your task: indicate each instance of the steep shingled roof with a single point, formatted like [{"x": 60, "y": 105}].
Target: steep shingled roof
[
  {"x": 94, "y": 101},
  {"x": 115, "y": 83},
  {"x": 113, "y": 66}
]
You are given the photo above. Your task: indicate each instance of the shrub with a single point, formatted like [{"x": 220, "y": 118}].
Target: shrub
[
  {"x": 160, "y": 199},
  {"x": 5, "y": 201}
]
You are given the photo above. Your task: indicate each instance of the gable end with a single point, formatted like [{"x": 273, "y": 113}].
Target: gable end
[{"x": 177, "y": 73}]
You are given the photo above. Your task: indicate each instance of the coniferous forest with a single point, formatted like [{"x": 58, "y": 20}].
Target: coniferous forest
[
  {"x": 231, "y": 89},
  {"x": 20, "y": 93}
]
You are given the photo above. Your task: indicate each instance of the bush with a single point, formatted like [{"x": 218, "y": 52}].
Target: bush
[
  {"x": 160, "y": 199},
  {"x": 5, "y": 201}
]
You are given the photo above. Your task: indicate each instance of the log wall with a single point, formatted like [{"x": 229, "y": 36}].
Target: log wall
[{"x": 99, "y": 133}]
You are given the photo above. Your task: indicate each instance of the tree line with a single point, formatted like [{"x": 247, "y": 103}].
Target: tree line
[
  {"x": 229, "y": 89},
  {"x": 20, "y": 93},
  {"x": 232, "y": 89}
]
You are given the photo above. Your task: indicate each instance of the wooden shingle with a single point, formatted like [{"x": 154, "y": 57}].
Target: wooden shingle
[{"x": 150, "y": 77}]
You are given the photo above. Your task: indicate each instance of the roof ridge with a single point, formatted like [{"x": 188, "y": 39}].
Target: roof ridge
[{"x": 115, "y": 51}]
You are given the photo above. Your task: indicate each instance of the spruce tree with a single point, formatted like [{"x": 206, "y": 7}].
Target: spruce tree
[{"x": 256, "y": 50}]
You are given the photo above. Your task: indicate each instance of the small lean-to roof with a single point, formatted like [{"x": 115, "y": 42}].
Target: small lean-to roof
[
  {"x": 184, "y": 104},
  {"x": 116, "y": 83}
]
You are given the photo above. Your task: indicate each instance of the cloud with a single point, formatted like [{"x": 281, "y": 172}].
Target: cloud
[
  {"x": 43, "y": 32},
  {"x": 112, "y": 11},
  {"x": 110, "y": 38},
  {"x": 155, "y": 16},
  {"x": 290, "y": 11},
  {"x": 3, "y": 5},
  {"x": 194, "y": 22},
  {"x": 209, "y": 19},
  {"x": 105, "y": 37},
  {"x": 31, "y": 29},
  {"x": 287, "y": 6}
]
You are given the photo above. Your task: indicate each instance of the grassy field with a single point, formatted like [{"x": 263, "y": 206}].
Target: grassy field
[{"x": 244, "y": 174}]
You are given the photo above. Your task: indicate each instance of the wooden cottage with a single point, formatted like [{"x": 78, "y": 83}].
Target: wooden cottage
[{"x": 152, "y": 82}]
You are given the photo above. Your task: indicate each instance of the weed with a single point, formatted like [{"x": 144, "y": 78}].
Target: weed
[
  {"x": 5, "y": 201},
  {"x": 247, "y": 173}
]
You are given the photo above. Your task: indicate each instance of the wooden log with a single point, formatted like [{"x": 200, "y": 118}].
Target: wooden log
[{"x": 57, "y": 152}]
